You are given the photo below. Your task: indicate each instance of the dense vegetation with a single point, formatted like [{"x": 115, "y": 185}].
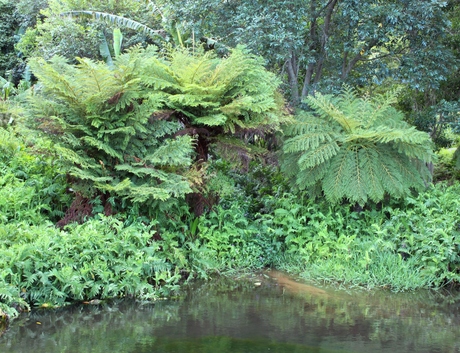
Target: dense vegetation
[{"x": 125, "y": 171}]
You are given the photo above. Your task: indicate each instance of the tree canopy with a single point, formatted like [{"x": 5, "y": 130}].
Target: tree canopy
[{"x": 318, "y": 45}]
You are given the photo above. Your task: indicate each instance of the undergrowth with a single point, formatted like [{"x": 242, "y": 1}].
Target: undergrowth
[
  {"x": 399, "y": 246},
  {"x": 102, "y": 258},
  {"x": 259, "y": 223}
]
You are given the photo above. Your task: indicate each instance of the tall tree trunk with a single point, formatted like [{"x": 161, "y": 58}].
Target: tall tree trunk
[
  {"x": 293, "y": 80},
  {"x": 314, "y": 70}
]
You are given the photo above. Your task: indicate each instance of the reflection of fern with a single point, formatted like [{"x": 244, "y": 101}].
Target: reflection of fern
[{"x": 356, "y": 148}]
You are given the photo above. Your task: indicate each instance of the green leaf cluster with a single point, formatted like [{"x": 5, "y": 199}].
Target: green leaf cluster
[
  {"x": 130, "y": 130},
  {"x": 32, "y": 184},
  {"x": 231, "y": 93},
  {"x": 102, "y": 118},
  {"x": 358, "y": 149},
  {"x": 8, "y": 25},
  {"x": 58, "y": 33},
  {"x": 100, "y": 259}
]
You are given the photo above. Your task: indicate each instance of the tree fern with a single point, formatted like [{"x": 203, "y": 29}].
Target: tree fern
[
  {"x": 358, "y": 149},
  {"x": 133, "y": 129},
  {"x": 104, "y": 126}
]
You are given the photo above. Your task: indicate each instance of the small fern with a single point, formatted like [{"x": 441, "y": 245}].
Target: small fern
[{"x": 357, "y": 149}]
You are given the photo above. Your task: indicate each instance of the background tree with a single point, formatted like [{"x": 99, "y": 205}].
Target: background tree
[
  {"x": 358, "y": 149},
  {"x": 59, "y": 33},
  {"x": 435, "y": 110},
  {"x": 318, "y": 45},
  {"x": 9, "y": 24}
]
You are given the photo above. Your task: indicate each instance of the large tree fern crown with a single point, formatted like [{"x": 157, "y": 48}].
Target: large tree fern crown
[{"x": 355, "y": 148}]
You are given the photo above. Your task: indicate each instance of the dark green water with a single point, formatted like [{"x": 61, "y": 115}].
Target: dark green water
[{"x": 247, "y": 316}]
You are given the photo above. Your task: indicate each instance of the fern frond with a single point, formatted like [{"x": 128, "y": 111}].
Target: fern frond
[
  {"x": 142, "y": 172},
  {"x": 337, "y": 179},
  {"x": 158, "y": 75},
  {"x": 97, "y": 84},
  {"x": 390, "y": 176},
  {"x": 368, "y": 157},
  {"x": 173, "y": 152},
  {"x": 318, "y": 155},
  {"x": 53, "y": 80},
  {"x": 211, "y": 120},
  {"x": 89, "y": 175},
  {"x": 309, "y": 141},
  {"x": 309, "y": 177},
  {"x": 305, "y": 122},
  {"x": 102, "y": 146},
  {"x": 324, "y": 105},
  {"x": 408, "y": 170}
]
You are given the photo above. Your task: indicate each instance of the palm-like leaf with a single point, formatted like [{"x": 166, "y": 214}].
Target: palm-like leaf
[{"x": 117, "y": 20}]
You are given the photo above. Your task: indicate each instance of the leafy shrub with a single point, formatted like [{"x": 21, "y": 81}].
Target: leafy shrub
[
  {"x": 132, "y": 130},
  {"x": 234, "y": 242},
  {"x": 428, "y": 229},
  {"x": 32, "y": 187},
  {"x": 101, "y": 259},
  {"x": 402, "y": 246},
  {"x": 57, "y": 34},
  {"x": 447, "y": 165}
]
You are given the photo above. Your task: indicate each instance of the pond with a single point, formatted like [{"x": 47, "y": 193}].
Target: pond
[{"x": 265, "y": 312}]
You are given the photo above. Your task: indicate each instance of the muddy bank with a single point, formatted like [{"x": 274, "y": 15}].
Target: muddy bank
[{"x": 292, "y": 286}]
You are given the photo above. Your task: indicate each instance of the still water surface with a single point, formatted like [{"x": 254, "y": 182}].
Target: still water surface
[{"x": 257, "y": 314}]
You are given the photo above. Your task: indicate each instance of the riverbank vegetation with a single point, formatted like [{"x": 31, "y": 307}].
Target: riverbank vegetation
[{"x": 181, "y": 158}]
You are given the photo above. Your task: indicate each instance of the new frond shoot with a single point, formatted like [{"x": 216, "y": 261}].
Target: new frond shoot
[{"x": 357, "y": 149}]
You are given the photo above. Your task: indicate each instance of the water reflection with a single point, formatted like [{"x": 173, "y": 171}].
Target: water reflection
[{"x": 256, "y": 314}]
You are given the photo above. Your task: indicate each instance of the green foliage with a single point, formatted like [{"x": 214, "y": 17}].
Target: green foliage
[
  {"x": 102, "y": 258},
  {"x": 8, "y": 26},
  {"x": 428, "y": 229},
  {"x": 401, "y": 247},
  {"x": 447, "y": 166},
  {"x": 129, "y": 130},
  {"x": 68, "y": 36},
  {"x": 32, "y": 187},
  {"x": 102, "y": 118},
  {"x": 234, "y": 242},
  {"x": 118, "y": 20},
  {"x": 370, "y": 248},
  {"x": 317, "y": 45},
  {"x": 397, "y": 248},
  {"x": 359, "y": 149}
]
